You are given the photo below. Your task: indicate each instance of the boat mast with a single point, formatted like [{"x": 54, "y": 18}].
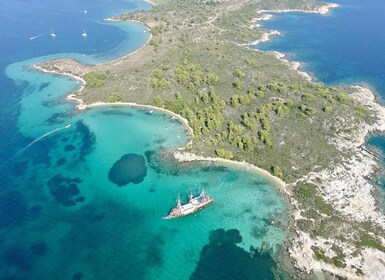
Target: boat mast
[
  {"x": 203, "y": 193},
  {"x": 178, "y": 204},
  {"x": 191, "y": 196}
]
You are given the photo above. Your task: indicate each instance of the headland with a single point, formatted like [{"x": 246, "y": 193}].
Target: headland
[{"x": 256, "y": 109}]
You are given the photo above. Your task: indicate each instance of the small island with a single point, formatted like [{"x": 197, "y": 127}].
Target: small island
[{"x": 257, "y": 109}]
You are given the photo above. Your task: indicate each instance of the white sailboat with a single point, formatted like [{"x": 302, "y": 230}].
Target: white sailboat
[
  {"x": 85, "y": 11},
  {"x": 84, "y": 34},
  {"x": 195, "y": 204},
  {"x": 52, "y": 33}
]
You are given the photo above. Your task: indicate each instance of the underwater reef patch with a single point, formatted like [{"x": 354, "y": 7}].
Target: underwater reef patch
[
  {"x": 18, "y": 257},
  {"x": 69, "y": 148},
  {"x": 65, "y": 189},
  {"x": 130, "y": 168},
  {"x": 43, "y": 86},
  {"x": 88, "y": 139},
  {"x": 223, "y": 259},
  {"x": 61, "y": 161},
  {"x": 57, "y": 118},
  {"x": 116, "y": 112}
]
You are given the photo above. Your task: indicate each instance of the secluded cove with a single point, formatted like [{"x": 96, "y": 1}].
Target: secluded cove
[{"x": 91, "y": 220}]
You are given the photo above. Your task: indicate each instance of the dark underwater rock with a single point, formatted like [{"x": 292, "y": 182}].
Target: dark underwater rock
[
  {"x": 69, "y": 148},
  {"x": 64, "y": 189},
  {"x": 130, "y": 168}
]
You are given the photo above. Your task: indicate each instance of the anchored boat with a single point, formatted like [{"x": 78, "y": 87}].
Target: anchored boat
[{"x": 195, "y": 204}]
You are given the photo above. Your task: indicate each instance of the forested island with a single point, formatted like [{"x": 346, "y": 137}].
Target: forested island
[{"x": 255, "y": 107}]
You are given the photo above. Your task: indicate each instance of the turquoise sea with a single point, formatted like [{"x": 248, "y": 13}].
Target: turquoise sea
[
  {"x": 82, "y": 194},
  {"x": 344, "y": 47}
]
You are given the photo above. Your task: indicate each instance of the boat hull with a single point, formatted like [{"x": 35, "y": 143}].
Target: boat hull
[{"x": 175, "y": 214}]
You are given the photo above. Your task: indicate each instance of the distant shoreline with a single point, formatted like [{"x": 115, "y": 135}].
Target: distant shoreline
[
  {"x": 266, "y": 36},
  {"x": 323, "y": 10}
]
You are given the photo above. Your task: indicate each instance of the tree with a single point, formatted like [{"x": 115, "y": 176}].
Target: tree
[
  {"x": 115, "y": 96},
  {"x": 260, "y": 94},
  {"x": 238, "y": 84},
  {"x": 276, "y": 171},
  {"x": 248, "y": 144},
  {"x": 307, "y": 97},
  {"x": 223, "y": 153},
  {"x": 158, "y": 100},
  {"x": 327, "y": 109},
  {"x": 234, "y": 101},
  {"x": 265, "y": 137},
  {"x": 238, "y": 73},
  {"x": 94, "y": 79}
]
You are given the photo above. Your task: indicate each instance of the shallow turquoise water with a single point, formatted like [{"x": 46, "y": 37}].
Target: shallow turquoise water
[{"x": 113, "y": 231}]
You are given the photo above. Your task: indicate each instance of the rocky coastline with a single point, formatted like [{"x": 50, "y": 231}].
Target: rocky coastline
[{"x": 346, "y": 186}]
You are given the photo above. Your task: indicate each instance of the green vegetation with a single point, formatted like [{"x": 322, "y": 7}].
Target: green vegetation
[
  {"x": 115, "y": 96},
  {"x": 318, "y": 253},
  {"x": 94, "y": 79},
  {"x": 276, "y": 171},
  {"x": 361, "y": 112},
  {"x": 245, "y": 102},
  {"x": 242, "y": 105},
  {"x": 369, "y": 241}
]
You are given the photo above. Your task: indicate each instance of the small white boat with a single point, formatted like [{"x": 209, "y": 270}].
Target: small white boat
[
  {"x": 85, "y": 11},
  {"x": 52, "y": 33},
  {"x": 84, "y": 34}
]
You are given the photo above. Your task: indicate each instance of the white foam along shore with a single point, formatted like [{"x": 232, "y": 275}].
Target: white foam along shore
[
  {"x": 323, "y": 10},
  {"x": 182, "y": 156},
  {"x": 352, "y": 173},
  {"x": 346, "y": 186},
  {"x": 352, "y": 196},
  {"x": 178, "y": 154},
  {"x": 266, "y": 36}
]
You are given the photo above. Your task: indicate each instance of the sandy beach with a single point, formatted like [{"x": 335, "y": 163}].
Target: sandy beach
[{"x": 182, "y": 156}]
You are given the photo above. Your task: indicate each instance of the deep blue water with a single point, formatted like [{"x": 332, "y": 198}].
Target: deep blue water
[
  {"x": 82, "y": 193},
  {"x": 344, "y": 47},
  {"x": 20, "y": 20}
]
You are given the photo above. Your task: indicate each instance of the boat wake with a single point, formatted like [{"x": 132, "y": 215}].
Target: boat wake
[
  {"x": 38, "y": 36},
  {"x": 37, "y": 140}
]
